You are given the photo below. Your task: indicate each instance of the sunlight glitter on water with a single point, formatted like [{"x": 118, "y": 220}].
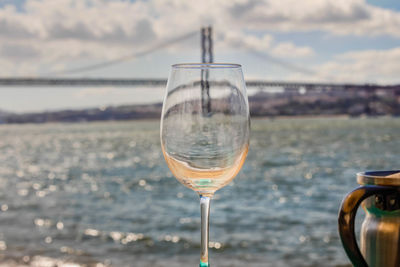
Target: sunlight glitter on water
[{"x": 101, "y": 193}]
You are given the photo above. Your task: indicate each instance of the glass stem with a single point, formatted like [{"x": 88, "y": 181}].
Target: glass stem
[{"x": 205, "y": 213}]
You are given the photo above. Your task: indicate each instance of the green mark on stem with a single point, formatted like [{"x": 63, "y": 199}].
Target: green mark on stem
[
  {"x": 204, "y": 182},
  {"x": 204, "y": 264}
]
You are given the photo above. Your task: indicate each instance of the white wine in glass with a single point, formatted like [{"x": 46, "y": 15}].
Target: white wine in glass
[{"x": 205, "y": 128}]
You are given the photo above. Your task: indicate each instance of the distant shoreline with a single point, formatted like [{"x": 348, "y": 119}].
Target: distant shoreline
[{"x": 262, "y": 105}]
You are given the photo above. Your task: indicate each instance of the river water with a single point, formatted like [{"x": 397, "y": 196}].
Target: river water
[{"x": 99, "y": 194}]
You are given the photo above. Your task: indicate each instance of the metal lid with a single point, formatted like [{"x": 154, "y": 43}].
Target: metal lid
[{"x": 378, "y": 178}]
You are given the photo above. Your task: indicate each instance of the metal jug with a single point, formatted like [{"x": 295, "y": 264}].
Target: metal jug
[{"x": 380, "y": 231}]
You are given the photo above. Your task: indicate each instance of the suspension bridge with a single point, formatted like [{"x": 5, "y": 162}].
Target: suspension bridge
[
  {"x": 60, "y": 78},
  {"x": 34, "y": 82}
]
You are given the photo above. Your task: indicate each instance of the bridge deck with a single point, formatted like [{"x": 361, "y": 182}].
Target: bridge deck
[{"x": 162, "y": 82}]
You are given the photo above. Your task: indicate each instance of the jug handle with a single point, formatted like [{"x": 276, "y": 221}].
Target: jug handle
[{"x": 347, "y": 215}]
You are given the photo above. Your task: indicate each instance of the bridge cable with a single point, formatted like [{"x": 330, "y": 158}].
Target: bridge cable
[
  {"x": 126, "y": 57},
  {"x": 280, "y": 62},
  {"x": 287, "y": 65}
]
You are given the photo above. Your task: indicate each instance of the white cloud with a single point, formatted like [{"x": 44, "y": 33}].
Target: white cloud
[
  {"x": 288, "y": 49},
  {"x": 352, "y": 17},
  {"x": 238, "y": 40},
  {"x": 372, "y": 65},
  {"x": 50, "y": 32},
  {"x": 369, "y": 66}
]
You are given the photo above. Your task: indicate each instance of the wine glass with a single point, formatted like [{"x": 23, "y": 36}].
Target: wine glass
[{"x": 205, "y": 128}]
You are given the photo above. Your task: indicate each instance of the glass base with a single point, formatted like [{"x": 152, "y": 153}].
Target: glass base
[{"x": 204, "y": 264}]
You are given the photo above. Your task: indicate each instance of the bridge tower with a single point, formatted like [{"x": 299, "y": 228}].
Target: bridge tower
[
  {"x": 206, "y": 45},
  {"x": 206, "y": 57}
]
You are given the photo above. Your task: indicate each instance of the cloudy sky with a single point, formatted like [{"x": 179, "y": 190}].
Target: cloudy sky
[{"x": 326, "y": 40}]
